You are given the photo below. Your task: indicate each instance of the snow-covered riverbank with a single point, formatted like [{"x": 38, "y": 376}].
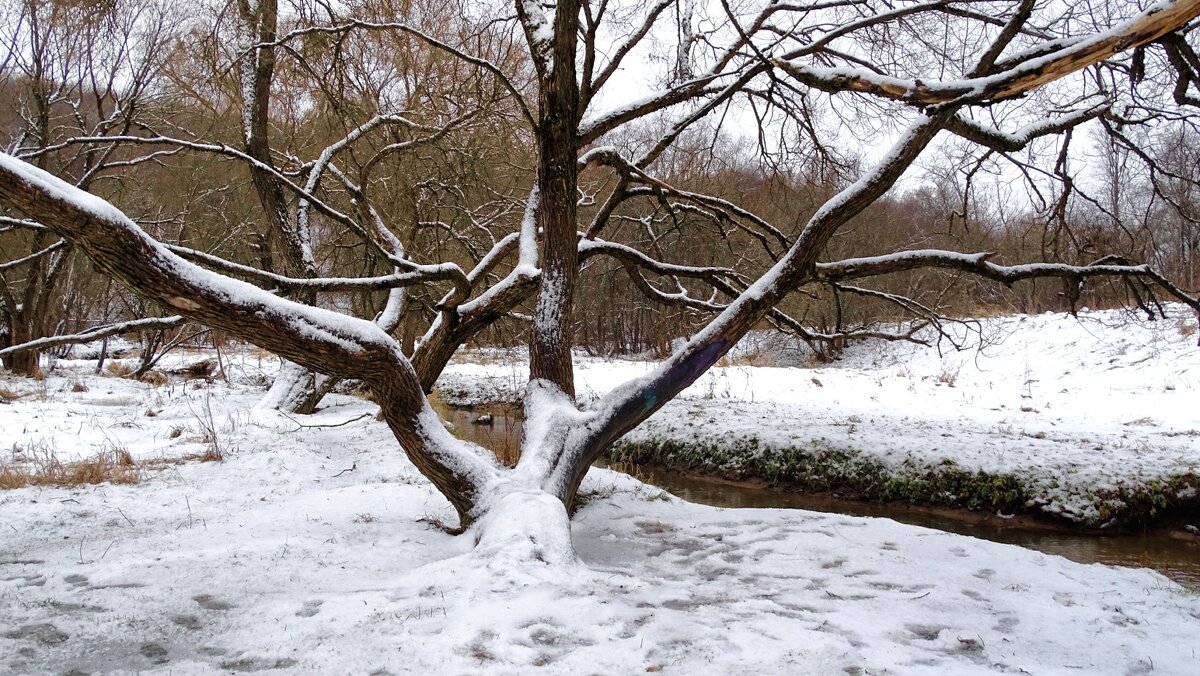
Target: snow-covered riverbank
[
  {"x": 309, "y": 549},
  {"x": 1091, "y": 420}
]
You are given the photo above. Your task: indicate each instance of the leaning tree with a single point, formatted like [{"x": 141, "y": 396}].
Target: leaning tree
[{"x": 907, "y": 78}]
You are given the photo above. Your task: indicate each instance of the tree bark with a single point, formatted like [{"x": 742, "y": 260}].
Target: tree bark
[
  {"x": 557, "y": 180},
  {"x": 295, "y": 390}
]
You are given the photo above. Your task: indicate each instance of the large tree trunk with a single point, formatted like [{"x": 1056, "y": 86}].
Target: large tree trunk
[{"x": 557, "y": 181}]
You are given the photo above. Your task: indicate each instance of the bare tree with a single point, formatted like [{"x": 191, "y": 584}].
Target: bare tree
[
  {"x": 70, "y": 71},
  {"x": 903, "y": 73}
]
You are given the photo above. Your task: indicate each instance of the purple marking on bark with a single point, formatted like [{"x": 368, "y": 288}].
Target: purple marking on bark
[{"x": 687, "y": 372}]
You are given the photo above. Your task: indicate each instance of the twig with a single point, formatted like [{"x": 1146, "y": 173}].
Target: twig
[
  {"x": 301, "y": 425},
  {"x": 126, "y": 516},
  {"x": 350, "y": 469}
]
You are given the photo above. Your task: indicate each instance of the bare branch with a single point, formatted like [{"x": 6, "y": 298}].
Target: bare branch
[
  {"x": 417, "y": 274},
  {"x": 996, "y": 139},
  {"x": 33, "y": 256},
  {"x": 979, "y": 264},
  {"x": 95, "y": 334}
]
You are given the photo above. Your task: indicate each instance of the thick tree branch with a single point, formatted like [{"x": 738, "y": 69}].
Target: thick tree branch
[
  {"x": 1148, "y": 26},
  {"x": 320, "y": 340}
]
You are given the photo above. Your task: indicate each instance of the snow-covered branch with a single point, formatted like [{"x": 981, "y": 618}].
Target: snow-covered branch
[
  {"x": 1155, "y": 22},
  {"x": 415, "y": 274},
  {"x": 33, "y": 256},
  {"x": 979, "y": 264},
  {"x": 322, "y": 340},
  {"x": 996, "y": 139},
  {"x": 10, "y": 223},
  {"x": 97, "y": 333}
]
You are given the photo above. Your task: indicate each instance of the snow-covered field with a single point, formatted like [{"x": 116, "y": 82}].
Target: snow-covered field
[
  {"x": 308, "y": 549},
  {"x": 1084, "y": 413}
]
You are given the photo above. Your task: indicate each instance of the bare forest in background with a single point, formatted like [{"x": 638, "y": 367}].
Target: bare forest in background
[{"x": 84, "y": 85}]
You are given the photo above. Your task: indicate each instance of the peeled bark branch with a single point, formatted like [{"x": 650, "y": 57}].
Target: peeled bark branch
[{"x": 1019, "y": 79}]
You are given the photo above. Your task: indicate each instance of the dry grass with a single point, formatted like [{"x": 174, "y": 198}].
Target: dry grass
[
  {"x": 118, "y": 369},
  {"x": 8, "y": 395},
  {"x": 38, "y": 465},
  {"x": 754, "y": 358},
  {"x": 155, "y": 378},
  {"x": 209, "y": 455},
  {"x": 1186, "y": 328}
]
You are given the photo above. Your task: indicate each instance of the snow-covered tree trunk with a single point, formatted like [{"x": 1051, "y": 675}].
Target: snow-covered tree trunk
[{"x": 295, "y": 389}]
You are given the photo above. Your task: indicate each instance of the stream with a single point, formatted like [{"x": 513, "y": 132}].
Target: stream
[{"x": 1175, "y": 554}]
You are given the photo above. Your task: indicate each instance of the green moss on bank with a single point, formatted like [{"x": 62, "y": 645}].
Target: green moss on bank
[{"x": 819, "y": 466}]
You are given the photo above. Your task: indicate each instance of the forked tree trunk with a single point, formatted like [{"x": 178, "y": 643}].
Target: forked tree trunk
[
  {"x": 296, "y": 390},
  {"x": 522, "y": 527}
]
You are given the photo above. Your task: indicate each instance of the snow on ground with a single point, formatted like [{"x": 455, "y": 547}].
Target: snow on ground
[
  {"x": 1077, "y": 408},
  {"x": 305, "y": 549}
]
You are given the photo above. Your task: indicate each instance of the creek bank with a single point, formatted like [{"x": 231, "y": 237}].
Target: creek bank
[
  {"x": 1168, "y": 547},
  {"x": 819, "y": 466}
]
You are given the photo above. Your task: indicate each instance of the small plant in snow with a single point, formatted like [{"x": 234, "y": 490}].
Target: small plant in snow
[
  {"x": 949, "y": 375},
  {"x": 209, "y": 434}
]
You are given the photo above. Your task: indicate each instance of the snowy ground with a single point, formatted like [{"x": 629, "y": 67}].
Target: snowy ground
[
  {"x": 1078, "y": 410},
  {"x": 278, "y": 559}
]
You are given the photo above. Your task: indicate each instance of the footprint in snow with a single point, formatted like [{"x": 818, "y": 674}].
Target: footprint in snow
[
  {"x": 189, "y": 622},
  {"x": 310, "y": 608},
  {"x": 209, "y": 602},
  {"x": 46, "y": 634}
]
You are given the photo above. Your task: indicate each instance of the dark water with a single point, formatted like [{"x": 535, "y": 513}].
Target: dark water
[{"x": 1175, "y": 554}]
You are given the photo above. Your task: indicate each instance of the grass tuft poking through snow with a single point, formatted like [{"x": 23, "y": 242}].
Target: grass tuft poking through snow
[{"x": 37, "y": 464}]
